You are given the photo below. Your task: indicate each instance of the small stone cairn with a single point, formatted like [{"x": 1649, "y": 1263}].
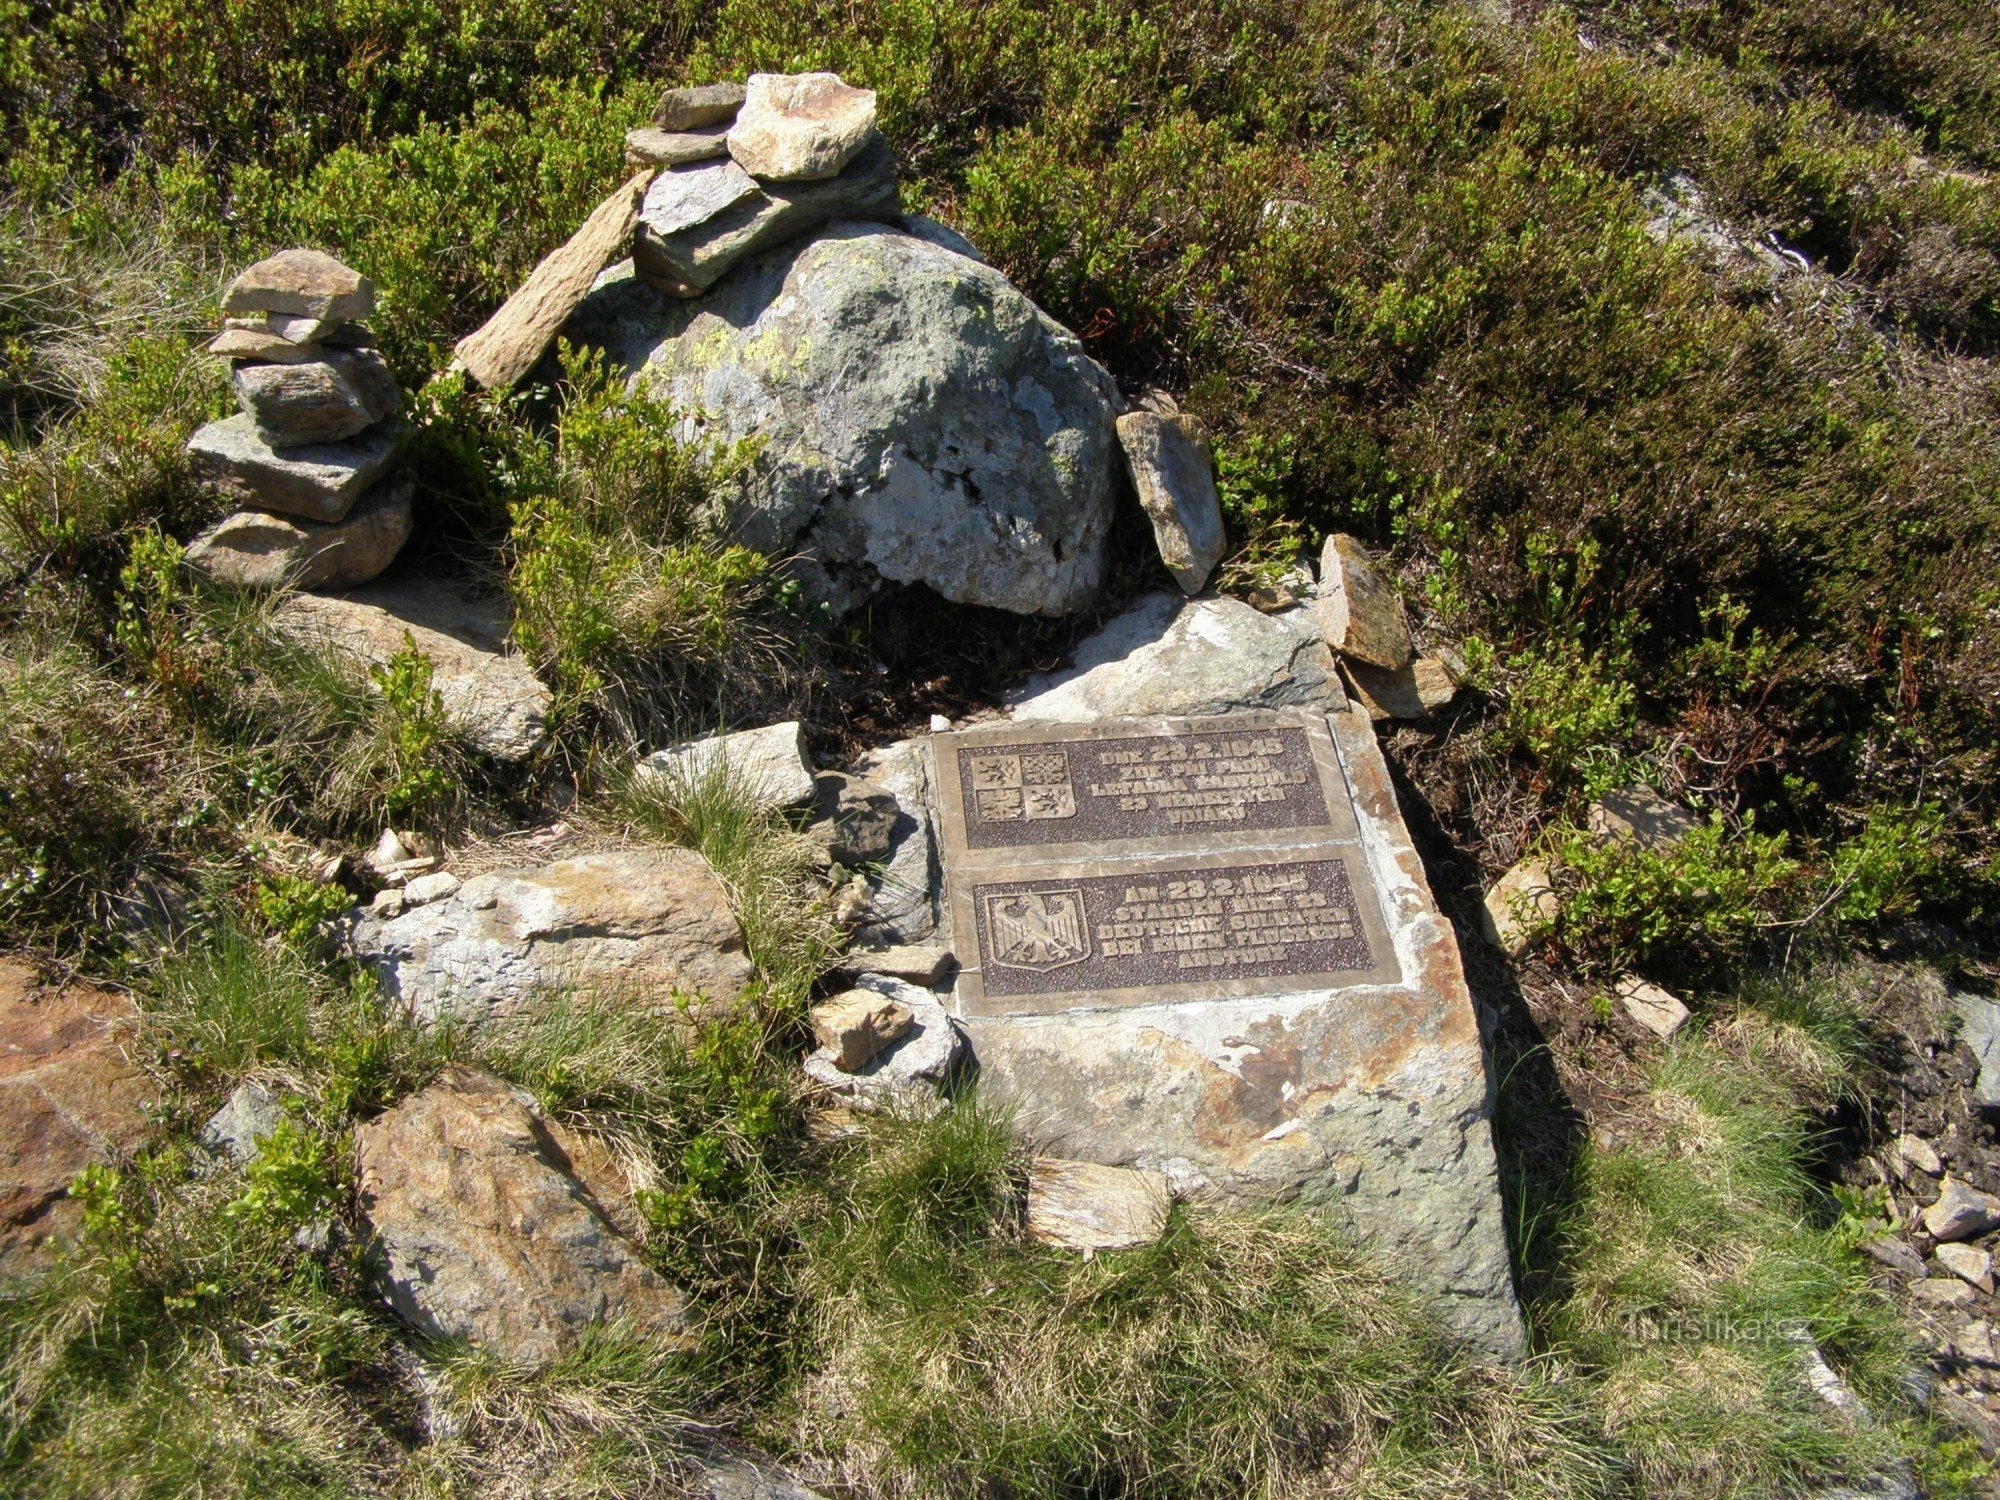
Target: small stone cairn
[{"x": 311, "y": 455}]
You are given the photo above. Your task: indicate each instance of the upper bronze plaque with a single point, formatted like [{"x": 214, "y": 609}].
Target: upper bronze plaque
[
  {"x": 1250, "y": 779},
  {"x": 1139, "y": 861}
]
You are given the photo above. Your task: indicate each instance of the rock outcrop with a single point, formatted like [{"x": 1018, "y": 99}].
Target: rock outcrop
[
  {"x": 69, "y": 1097},
  {"x": 639, "y": 926},
  {"x": 921, "y": 421},
  {"x": 496, "y": 1225}
]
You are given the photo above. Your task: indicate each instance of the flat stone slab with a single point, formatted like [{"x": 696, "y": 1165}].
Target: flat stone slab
[
  {"x": 1264, "y": 1008},
  {"x": 317, "y": 481},
  {"x": 493, "y": 696}
]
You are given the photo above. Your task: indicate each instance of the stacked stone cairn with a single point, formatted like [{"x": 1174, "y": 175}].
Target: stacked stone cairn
[{"x": 311, "y": 455}]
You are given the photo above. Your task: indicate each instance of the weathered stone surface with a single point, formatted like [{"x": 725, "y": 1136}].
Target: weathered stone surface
[
  {"x": 493, "y": 696},
  {"x": 909, "y": 1072},
  {"x": 694, "y": 108},
  {"x": 902, "y": 901},
  {"x": 1175, "y": 480},
  {"x": 1887, "y": 1250},
  {"x": 1368, "y": 1102},
  {"x": 69, "y": 1097},
  {"x": 337, "y": 396},
  {"x": 1519, "y": 908},
  {"x": 300, "y": 283},
  {"x": 1413, "y": 692},
  {"x": 635, "y": 925},
  {"x": 699, "y": 221},
  {"x": 1168, "y": 655},
  {"x": 1912, "y": 1153},
  {"x": 795, "y": 127},
  {"x": 923, "y": 964},
  {"x": 246, "y": 1119},
  {"x": 509, "y": 343},
  {"x": 1080, "y": 1205},
  {"x": 1974, "y": 1267},
  {"x": 933, "y": 232},
  {"x": 650, "y": 146},
  {"x": 854, "y": 820},
  {"x": 261, "y": 344},
  {"x": 1641, "y": 816},
  {"x": 1962, "y": 1211},
  {"x": 256, "y": 550},
  {"x": 435, "y": 886},
  {"x": 492, "y": 1228},
  {"x": 1943, "y": 1291},
  {"x": 855, "y": 1025},
  {"x": 1658, "y": 1010},
  {"x": 737, "y": 1473},
  {"x": 1359, "y": 610},
  {"x": 768, "y": 764},
  {"x": 1979, "y": 1029},
  {"x": 921, "y": 420},
  {"x": 319, "y": 481}
]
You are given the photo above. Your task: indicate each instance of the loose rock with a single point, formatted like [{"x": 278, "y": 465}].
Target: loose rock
[
  {"x": 855, "y": 1025},
  {"x": 254, "y": 549},
  {"x": 696, "y": 108},
  {"x": 245, "y": 1121},
  {"x": 1080, "y": 1205},
  {"x": 260, "y": 344},
  {"x": 1174, "y": 475},
  {"x": 795, "y": 127},
  {"x": 1979, "y": 1029},
  {"x": 650, "y": 146},
  {"x": 1943, "y": 1291},
  {"x": 768, "y": 765},
  {"x": 922, "y": 964},
  {"x": 342, "y": 393},
  {"x": 509, "y": 343},
  {"x": 489, "y": 691},
  {"x": 921, "y": 420},
  {"x": 635, "y": 925},
  {"x": 1413, "y": 692},
  {"x": 497, "y": 1226},
  {"x": 1641, "y": 816},
  {"x": 909, "y": 1072},
  {"x": 1658, "y": 1010},
  {"x": 69, "y": 1097},
  {"x": 1359, "y": 611},
  {"x": 1519, "y": 908},
  {"x": 318, "y": 482},
  {"x": 1887, "y": 1250},
  {"x": 900, "y": 903},
  {"x": 432, "y": 887},
  {"x": 1169, "y": 655},
  {"x": 1913, "y": 1153},
  {"x": 303, "y": 284},
  {"x": 1974, "y": 1267},
  {"x": 854, "y": 820},
  {"x": 1961, "y": 1212}
]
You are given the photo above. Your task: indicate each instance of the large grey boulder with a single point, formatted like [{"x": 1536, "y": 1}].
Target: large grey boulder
[
  {"x": 1169, "y": 655},
  {"x": 636, "y": 926},
  {"x": 921, "y": 421}
]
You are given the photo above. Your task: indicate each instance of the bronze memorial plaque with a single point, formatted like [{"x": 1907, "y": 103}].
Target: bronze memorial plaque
[{"x": 1135, "y": 861}]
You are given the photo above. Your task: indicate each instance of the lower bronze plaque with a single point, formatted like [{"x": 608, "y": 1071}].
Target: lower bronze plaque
[{"x": 1132, "y": 932}]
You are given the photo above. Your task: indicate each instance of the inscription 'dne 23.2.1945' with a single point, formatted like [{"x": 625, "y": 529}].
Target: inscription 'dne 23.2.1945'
[{"x": 1133, "y": 861}]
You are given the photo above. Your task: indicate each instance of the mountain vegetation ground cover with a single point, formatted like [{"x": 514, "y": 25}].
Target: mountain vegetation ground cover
[{"x": 1712, "y": 510}]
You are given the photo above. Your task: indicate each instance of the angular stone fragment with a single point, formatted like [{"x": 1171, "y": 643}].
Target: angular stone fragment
[
  {"x": 1979, "y": 1030},
  {"x": 1519, "y": 908},
  {"x": 1658, "y": 1010},
  {"x": 490, "y": 692},
  {"x": 634, "y": 926},
  {"x": 319, "y": 482},
  {"x": 1974, "y": 1267},
  {"x": 1962, "y": 1211},
  {"x": 509, "y": 343},
  {"x": 245, "y": 1121},
  {"x": 902, "y": 889},
  {"x": 853, "y": 820},
  {"x": 650, "y": 146},
  {"x": 340, "y": 394},
  {"x": 1081, "y": 1205},
  {"x": 700, "y": 220},
  {"x": 796, "y": 127},
  {"x": 1943, "y": 1291},
  {"x": 1359, "y": 610},
  {"x": 693, "y": 108},
  {"x": 1912, "y": 1153},
  {"x": 499, "y": 1226},
  {"x": 768, "y": 765},
  {"x": 855, "y": 1025},
  {"x": 253, "y": 549},
  {"x": 69, "y": 1097},
  {"x": 261, "y": 344},
  {"x": 435, "y": 886},
  {"x": 1174, "y": 475},
  {"x": 922, "y": 964},
  {"x": 300, "y": 283},
  {"x": 1641, "y": 816},
  {"x": 1413, "y": 692},
  {"x": 1169, "y": 655},
  {"x": 907, "y": 1073},
  {"x": 1887, "y": 1250}
]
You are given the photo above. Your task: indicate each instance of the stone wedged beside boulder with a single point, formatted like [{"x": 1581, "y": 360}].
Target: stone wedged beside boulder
[
  {"x": 496, "y": 1225},
  {"x": 258, "y": 550},
  {"x": 921, "y": 420},
  {"x": 1172, "y": 472},
  {"x": 630, "y": 926}
]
